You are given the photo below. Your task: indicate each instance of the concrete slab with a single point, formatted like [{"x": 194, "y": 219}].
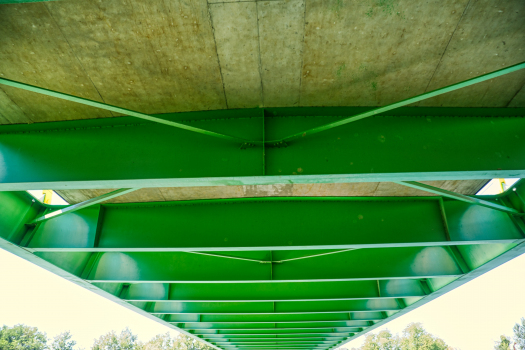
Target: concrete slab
[
  {"x": 373, "y": 53},
  {"x": 519, "y": 99},
  {"x": 33, "y": 50},
  {"x": 150, "y": 58},
  {"x": 281, "y": 35},
  {"x": 237, "y": 39},
  {"x": 387, "y": 189},
  {"x": 490, "y": 36},
  {"x": 10, "y": 113}
]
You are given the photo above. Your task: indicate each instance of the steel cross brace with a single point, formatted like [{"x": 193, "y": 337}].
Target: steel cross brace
[{"x": 278, "y": 142}]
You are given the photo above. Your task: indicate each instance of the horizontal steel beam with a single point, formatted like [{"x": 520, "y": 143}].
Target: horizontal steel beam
[
  {"x": 272, "y": 335},
  {"x": 255, "y": 292},
  {"x": 284, "y": 340},
  {"x": 121, "y": 153},
  {"x": 220, "y": 225},
  {"x": 273, "y": 331},
  {"x": 282, "y": 307},
  {"x": 277, "y": 318},
  {"x": 393, "y": 263},
  {"x": 195, "y": 326}
]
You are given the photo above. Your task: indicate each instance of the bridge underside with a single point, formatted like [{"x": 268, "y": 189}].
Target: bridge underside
[
  {"x": 266, "y": 264},
  {"x": 213, "y": 190}
]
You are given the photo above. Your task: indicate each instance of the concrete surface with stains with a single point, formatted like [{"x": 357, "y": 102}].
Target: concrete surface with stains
[{"x": 187, "y": 55}]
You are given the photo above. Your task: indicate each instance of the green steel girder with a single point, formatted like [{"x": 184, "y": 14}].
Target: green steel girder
[
  {"x": 283, "y": 307},
  {"x": 274, "y": 331},
  {"x": 199, "y": 326},
  {"x": 277, "y": 318},
  {"x": 312, "y": 273},
  {"x": 246, "y": 292},
  {"x": 411, "y": 143},
  {"x": 274, "y": 335},
  {"x": 417, "y": 222}
]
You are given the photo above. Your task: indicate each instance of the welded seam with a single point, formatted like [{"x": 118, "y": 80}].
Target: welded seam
[
  {"x": 446, "y": 47},
  {"x": 217, "y": 53}
]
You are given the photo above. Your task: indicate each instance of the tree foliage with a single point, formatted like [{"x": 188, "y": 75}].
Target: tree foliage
[
  {"x": 111, "y": 341},
  {"x": 63, "y": 341},
  {"x": 519, "y": 334},
  {"x": 414, "y": 337},
  {"x": 22, "y": 337},
  {"x": 503, "y": 343}
]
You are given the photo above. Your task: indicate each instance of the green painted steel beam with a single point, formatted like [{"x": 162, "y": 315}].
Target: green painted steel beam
[
  {"x": 273, "y": 331},
  {"x": 282, "y": 307},
  {"x": 318, "y": 340},
  {"x": 459, "y": 197},
  {"x": 277, "y": 318},
  {"x": 220, "y": 226},
  {"x": 253, "y": 292},
  {"x": 408, "y": 101},
  {"x": 393, "y": 263},
  {"x": 82, "y": 205},
  {"x": 116, "y": 109},
  {"x": 199, "y": 326},
  {"x": 121, "y": 153},
  {"x": 272, "y": 335}
]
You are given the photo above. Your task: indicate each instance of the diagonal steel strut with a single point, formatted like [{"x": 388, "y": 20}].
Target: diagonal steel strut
[
  {"x": 81, "y": 205},
  {"x": 408, "y": 101},
  {"x": 458, "y": 196},
  {"x": 125, "y": 111}
]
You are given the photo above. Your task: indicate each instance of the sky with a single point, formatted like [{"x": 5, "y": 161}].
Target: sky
[{"x": 471, "y": 317}]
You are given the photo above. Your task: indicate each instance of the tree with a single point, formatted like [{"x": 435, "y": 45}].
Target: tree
[
  {"x": 180, "y": 342},
  {"x": 414, "y": 337},
  {"x": 519, "y": 334},
  {"x": 503, "y": 343},
  {"x": 22, "y": 337},
  {"x": 63, "y": 341},
  {"x": 110, "y": 341},
  {"x": 384, "y": 340}
]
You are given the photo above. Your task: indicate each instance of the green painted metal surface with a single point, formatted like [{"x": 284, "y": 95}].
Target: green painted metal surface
[
  {"x": 412, "y": 144},
  {"x": 270, "y": 273},
  {"x": 279, "y": 141}
]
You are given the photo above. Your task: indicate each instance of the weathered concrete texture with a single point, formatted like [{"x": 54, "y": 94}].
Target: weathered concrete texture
[
  {"x": 10, "y": 113},
  {"x": 373, "y": 53},
  {"x": 286, "y": 190},
  {"x": 489, "y": 36},
  {"x": 34, "y": 51},
  {"x": 281, "y": 35},
  {"x": 186, "y": 55},
  {"x": 151, "y": 58},
  {"x": 237, "y": 38},
  {"x": 519, "y": 99}
]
